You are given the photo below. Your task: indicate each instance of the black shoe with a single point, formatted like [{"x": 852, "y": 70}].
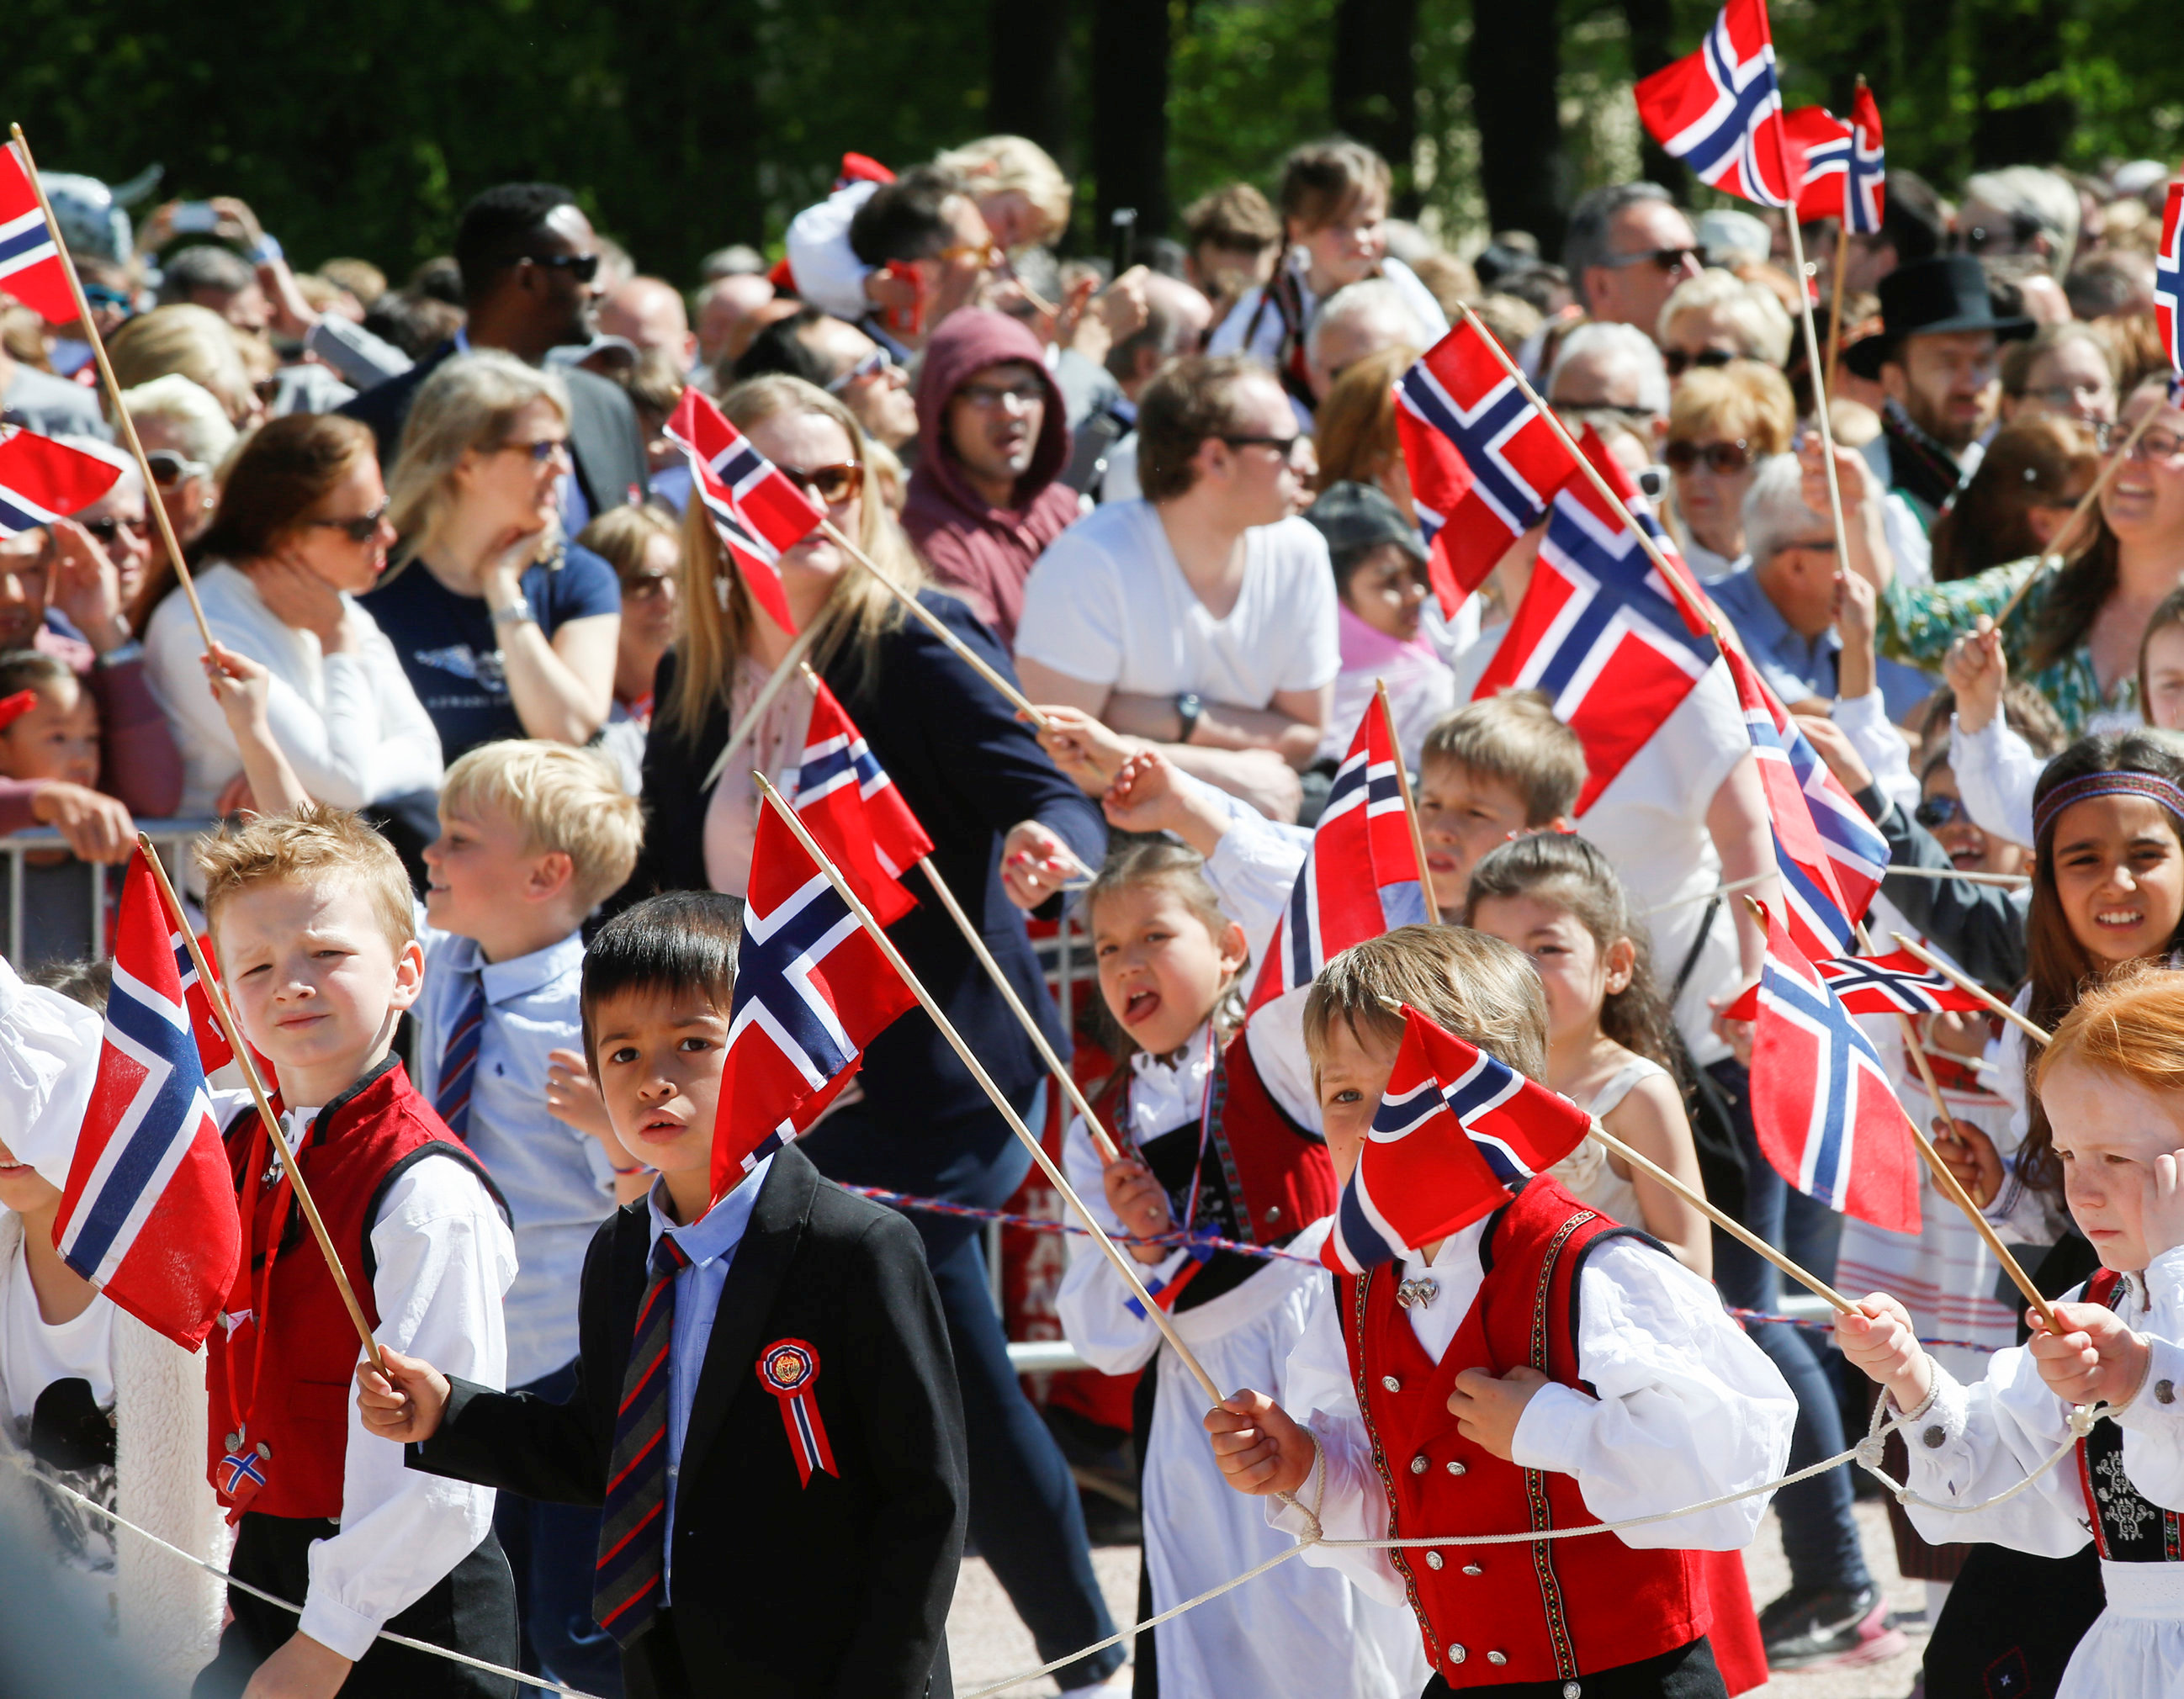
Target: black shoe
[{"x": 1813, "y": 1627}]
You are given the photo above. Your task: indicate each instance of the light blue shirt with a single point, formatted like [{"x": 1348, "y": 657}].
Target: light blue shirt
[
  {"x": 1795, "y": 666},
  {"x": 710, "y": 1243},
  {"x": 557, "y": 1179}
]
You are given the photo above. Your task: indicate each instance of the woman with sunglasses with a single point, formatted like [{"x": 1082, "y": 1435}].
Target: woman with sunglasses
[
  {"x": 1716, "y": 317},
  {"x": 505, "y": 630},
  {"x": 1722, "y": 422},
  {"x": 300, "y": 532},
  {"x": 1006, "y": 825}
]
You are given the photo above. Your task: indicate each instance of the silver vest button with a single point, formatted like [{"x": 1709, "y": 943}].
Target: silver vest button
[
  {"x": 1433, "y": 1560},
  {"x": 1473, "y": 1569},
  {"x": 1497, "y": 1657},
  {"x": 1456, "y": 1654},
  {"x": 2164, "y": 1392},
  {"x": 1391, "y": 1382},
  {"x": 1933, "y": 1439},
  {"x": 1572, "y": 1691},
  {"x": 1274, "y": 1212},
  {"x": 1454, "y": 1467},
  {"x": 1417, "y": 1466}
]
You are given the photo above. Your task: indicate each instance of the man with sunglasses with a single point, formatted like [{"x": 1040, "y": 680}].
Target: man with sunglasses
[
  {"x": 530, "y": 265},
  {"x": 1626, "y": 250}
]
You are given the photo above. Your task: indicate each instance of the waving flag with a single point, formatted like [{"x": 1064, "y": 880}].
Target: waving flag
[
  {"x": 30, "y": 257},
  {"x": 42, "y": 480},
  {"x": 1846, "y": 170},
  {"x": 2168, "y": 284},
  {"x": 812, "y": 990},
  {"x": 1897, "y": 983},
  {"x": 849, "y": 804},
  {"x": 1827, "y": 1117},
  {"x": 756, "y": 511},
  {"x": 1360, "y": 878},
  {"x": 1831, "y": 856},
  {"x": 1599, "y": 632},
  {"x": 149, "y": 1210},
  {"x": 1457, "y": 1128},
  {"x": 1719, "y": 111},
  {"x": 1483, "y": 463}
]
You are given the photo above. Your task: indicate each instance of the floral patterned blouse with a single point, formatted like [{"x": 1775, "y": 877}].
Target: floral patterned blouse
[{"x": 1917, "y": 622}]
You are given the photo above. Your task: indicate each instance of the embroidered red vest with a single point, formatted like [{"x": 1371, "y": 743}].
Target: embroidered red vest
[
  {"x": 1553, "y": 1610},
  {"x": 280, "y": 1366}
]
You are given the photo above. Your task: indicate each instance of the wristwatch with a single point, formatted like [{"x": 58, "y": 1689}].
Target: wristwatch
[
  {"x": 516, "y": 613},
  {"x": 1188, "y": 709}
]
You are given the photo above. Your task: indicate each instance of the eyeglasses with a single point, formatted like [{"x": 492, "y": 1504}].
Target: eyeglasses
[
  {"x": 361, "y": 529},
  {"x": 986, "y": 253},
  {"x": 1667, "y": 259},
  {"x": 1724, "y": 459},
  {"x": 2157, "y": 445},
  {"x": 647, "y": 587},
  {"x": 1678, "y": 362},
  {"x": 877, "y": 363},
  {"x": 583, "y": 267},
  {"x": 106, "y": 530},
  {"x": 987, "y": 395},
  {"x": 541, "y": 451},
  {"x": 1941, "y": 810},
  {"x": 172, "y": 470},
  {"x": 2061, "y": 395},
  {"x": 833, "y": 485},
  {"x": 1284, "y": 447}
]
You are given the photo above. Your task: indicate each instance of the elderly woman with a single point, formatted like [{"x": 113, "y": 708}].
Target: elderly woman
[
  {"x": 505, "y": 631},
  {"x": 1716, "y": 317},
  {"x": 186, "y": 436},
  {"x": 1722, "y": 422},
  {"x": 1004, "y": 822},
  {"x": 2066, "y": 372}
]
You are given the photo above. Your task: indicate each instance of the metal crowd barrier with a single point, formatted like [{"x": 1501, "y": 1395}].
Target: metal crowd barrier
[{"x": 170, "y": 839}]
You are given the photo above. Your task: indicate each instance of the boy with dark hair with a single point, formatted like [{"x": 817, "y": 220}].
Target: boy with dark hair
[{"x": 764, "y": 1405}]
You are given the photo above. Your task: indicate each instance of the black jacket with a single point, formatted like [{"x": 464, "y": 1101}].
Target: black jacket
[
  {"x": 604, "y": 438},
  {"x": 969, "y": 770},
  {"x": 780, "y": 1591}
]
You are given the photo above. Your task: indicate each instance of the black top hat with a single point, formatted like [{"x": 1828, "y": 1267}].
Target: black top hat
[{"x": 1929, "y": 297}]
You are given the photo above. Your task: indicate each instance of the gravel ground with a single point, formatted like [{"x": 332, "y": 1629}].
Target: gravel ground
[{"x": 986, "y": 1642}]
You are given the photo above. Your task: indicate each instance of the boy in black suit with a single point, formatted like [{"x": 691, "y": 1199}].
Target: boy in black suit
[{"x": 765, "y": 1404}]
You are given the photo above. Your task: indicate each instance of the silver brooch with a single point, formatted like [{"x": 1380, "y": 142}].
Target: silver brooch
[{"x": 1418, "y": 1294}]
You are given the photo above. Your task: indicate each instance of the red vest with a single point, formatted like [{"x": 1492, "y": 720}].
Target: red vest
[
  {"x": 291, "y": 1331},
  {"x": 1548, "y": 1612}
]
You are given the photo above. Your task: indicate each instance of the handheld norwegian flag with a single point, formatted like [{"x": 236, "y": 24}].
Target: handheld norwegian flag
[
  {"x": 149, "y": 1210},
  {"x": 1827, "y": 1117},
  {"x": 756, "y": 511},
  {"x": 852, "y": 808},
  {"x": 1599, "y": 631},
  {"x": 42, "y": 480},
  {"x": 31, "y": 265},
  {"x": 812, "y": 990},
  {"x": 1831, "y": 856},
  {"x": 1483, "y": 463},
  {"x": 2168, "y": 284},
  {"x": 1846, "y": 170},
  {"x": 1897, "y": 983},
  {"x": 1360, "y": 878},
  {"x": 1719, "y": 111},
  {"x": 1457, "y": 1128}
]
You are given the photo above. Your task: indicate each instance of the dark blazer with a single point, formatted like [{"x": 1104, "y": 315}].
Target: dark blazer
[
  {"x": 781, "y": 1591},
  {"x": 969, "y": 770},
  {"x": 604, "y": 436}
]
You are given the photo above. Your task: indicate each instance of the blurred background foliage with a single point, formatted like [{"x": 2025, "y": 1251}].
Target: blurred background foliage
[{"x": 685, "y": 127}]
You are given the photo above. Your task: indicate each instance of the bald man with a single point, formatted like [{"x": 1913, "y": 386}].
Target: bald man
[
  {"x": 650, "y": 313},
  {"x": 727, "y": 309}
]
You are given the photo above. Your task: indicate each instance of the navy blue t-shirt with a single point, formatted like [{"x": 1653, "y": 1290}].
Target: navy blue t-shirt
[{"x": 452, "y": 653}]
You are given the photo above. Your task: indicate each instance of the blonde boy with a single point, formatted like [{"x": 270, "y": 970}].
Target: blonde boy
[{"x": 1492, "y": 771}]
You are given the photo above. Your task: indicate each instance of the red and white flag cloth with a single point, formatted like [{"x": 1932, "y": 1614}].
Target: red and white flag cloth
[
  {"x": 756, "y": 511},
  {"x": 1897, "y": 983},
  {"x": 1826, "y": 1115},
  {"x": 1720, "y": 112},
  {"x": 1846, "y": 170},
  {"x": 42, "y": 480},
  {"x": 30, "y": 265},
  {"x": 2168, "y": 285},
  {"x": 149, "y": 1212},
  {"x": 848, "y": 803}
]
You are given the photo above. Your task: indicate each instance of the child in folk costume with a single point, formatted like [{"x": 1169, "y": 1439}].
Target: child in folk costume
[
  {"x": 1538, "y": 1369},
  {"x": 2109, "y": 1084},
  {"x": 1209, "y": 1147}
]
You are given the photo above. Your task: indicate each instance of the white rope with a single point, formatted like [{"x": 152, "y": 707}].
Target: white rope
[{"x": 403, "y": 1640}]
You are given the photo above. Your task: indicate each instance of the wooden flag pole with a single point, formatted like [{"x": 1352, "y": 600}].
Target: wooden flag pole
[
  {"x": 1945, "y": 1177},
  {"x": 1993, "y": 1003},
  {"x": 1154, "y": 1313},
  {"x": 1820, "y": 387},
  {"x": 749, "y": 724},
  {"x": 1410, "y": 802},
  {"x": 217, "y": 995},
  {"x": 122, "y": 421},
  {"x": 2010, "y": 880},
  {"x": 1836, "y": 293}
]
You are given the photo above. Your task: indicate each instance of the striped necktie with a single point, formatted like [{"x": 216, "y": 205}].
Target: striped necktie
[
  {"x": 458, "y": 1058},
  {"x": 632, "y": 1538}
]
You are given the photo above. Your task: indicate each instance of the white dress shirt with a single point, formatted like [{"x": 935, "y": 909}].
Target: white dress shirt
[
  {"x": 1995, "y": 771},
  {"x": 48, "y": 1061}
]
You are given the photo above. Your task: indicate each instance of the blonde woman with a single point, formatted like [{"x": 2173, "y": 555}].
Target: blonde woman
[
  {"x": 1004, "y": 822},
  {"x": 505, "y": 629},
  {"x": 199, "y": 344}
]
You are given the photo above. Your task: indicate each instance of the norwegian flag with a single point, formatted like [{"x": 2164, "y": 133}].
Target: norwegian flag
[
  {"x": 1846, "y": 170},
  {"x": 852, "y": 808},
  {"x": 149, "y": 1210},
  {"x": 1831, "y": 856},
  {"x": 1483, "y": 464},
  {"x": 756, "y": 511},
  {"x": 1827, "y": 1117},
  {"x": 1416, "y": 1181},
  {"x": 31, "y": 264},
  {"x": 1719, "y": 111},
  {"x": 42, "y": 480},
  {"x": 1897, "y": 983},
  {"x": 1599, "y": 631},
  {"x": 812, "y": 990},
  {"x": 2168, "y": 285},
  {"x": 1360, "y": 878}
]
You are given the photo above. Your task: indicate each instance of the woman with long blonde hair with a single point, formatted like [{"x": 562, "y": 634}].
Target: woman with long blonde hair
[{"x": 1005, "y": 823}]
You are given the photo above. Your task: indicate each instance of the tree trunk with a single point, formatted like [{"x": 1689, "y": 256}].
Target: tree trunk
[
  {"x": 1027, "y": 74},
  {"x": 1374, "y": 87},
  {"x": 1129, "y": 112},
  {"x": 2012, "y": 44},
  {"x": 1515, "y": 57},
  {"x": 1652, "y": 24}
]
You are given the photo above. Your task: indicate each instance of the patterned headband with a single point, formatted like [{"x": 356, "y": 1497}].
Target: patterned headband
[{"x": 2126, "y": 783}]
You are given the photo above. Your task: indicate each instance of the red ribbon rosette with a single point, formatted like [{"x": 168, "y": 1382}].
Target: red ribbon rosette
[{"x": 789, "y": 1370}]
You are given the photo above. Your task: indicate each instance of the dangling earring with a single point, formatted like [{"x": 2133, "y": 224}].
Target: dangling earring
[{"x": 720, "y": 591}]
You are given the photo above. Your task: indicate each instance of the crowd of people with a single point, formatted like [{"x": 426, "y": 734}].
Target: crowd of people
[{"x": 478, "y": 654}]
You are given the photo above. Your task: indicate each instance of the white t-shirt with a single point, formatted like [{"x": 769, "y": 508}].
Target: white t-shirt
[
  {"x": 1108, "y": 603},
  {"x": 35, "y": 1353}
]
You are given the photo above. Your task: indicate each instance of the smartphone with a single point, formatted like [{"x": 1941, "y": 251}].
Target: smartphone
[
  {"x": 195, "y": 218},
  {"x": 1124, "y": 223}
]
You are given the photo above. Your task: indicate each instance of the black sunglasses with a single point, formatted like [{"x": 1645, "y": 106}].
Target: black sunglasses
[
  {"x": 106, "y": 530},
  {"x": 361, "y": 529},
  {"x": 584, "y": 267},
  {"x": 1678, "y": 362},
  {"x": 1667, "y": 259},
  {"x": 1283, "y": 446},
  {"x": 1724, "y": 458},
  {"x": 1941, "y": 810}
]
